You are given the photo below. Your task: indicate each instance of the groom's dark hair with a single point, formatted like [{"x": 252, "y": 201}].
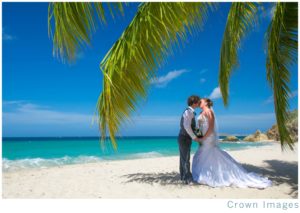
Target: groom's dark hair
[{"x": 194, "y": 99}]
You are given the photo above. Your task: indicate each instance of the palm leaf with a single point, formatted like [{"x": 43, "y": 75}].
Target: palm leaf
[
  {"x": 70, "y": 24},
  {"x": 241, "y": 18},
  {"x": 282, "y": 53},
  {"x": 156, "y": 30}
]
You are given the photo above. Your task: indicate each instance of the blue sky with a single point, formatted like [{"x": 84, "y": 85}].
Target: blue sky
[{"x": 43, "y": 97}]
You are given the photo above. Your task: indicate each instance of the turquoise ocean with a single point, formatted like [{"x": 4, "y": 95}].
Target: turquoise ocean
[{"x": 24, "y": 153}]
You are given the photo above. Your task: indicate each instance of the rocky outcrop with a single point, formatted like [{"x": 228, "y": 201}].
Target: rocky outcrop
[
  {"x": 273, "y": 133},
  {"x": 231, "y": 138},
  {"x": 291, "y": 124},
  {"x": 257, "y": 136}
]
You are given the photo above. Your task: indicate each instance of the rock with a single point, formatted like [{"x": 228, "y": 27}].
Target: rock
[
  {"x": 257, "y": 136},
  {"x": 231, "y": 138},
  {"x": 273, "y": 133},
  {"x": 291, "y": 124}
]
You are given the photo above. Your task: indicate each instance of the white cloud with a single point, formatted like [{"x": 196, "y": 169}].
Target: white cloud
[
  {"x": 28, "y": 113},
  {"x": 202, "y": 80},
  {"x": 31, "y": 119},
  {"x": 246, "y": 117},
  {"x": 6, "y": 36},
  {"x": 294, "y": 94},
  {"x": 267, "y": 11},
  {"x": 79, "y": 55},
  {"x": 270, "y": 99},
  {"x": 156, "y": 119},
  {"x": 12, "y": 102},
  {"x": 227, "y": 123},
  {"x": 270, "y": 11},
  {"x": 245, "y": 123},
  {"x": 226, "y": 118},
  {"x": 203, "y": 71},
  {"x": 216, "y": 93},
  {"x": 164, "y": 80}
]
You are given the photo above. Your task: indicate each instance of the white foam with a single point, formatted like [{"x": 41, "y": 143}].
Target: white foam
[
  {"x": 146, "y": 155},
  {"x": 27, "y": 163},
  {"x": 13, "y": 165}
]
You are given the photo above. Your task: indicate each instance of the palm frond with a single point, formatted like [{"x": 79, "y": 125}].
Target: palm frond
[
  {"x": 282, "y": 53},
  {"x": 129, "y": 66},
  {"x": 70, "y": 24},
  {"x": 241, "y": 19}
]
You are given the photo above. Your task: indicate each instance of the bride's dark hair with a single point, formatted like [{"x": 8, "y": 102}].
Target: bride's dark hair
[{"x": 209, "y": 102}]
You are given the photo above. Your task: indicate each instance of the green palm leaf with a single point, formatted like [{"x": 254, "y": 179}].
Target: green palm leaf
[
  {"x": 70, "y": 24},
  {"x": 156, "y": 30},
  {"x": 282, "y": 53},
  {"x": 241, "y": 18}
]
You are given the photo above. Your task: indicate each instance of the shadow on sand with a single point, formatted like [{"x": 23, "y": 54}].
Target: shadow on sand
[
  {"x": 278, "y": 171},
  {"x": 167, "y": 178}
]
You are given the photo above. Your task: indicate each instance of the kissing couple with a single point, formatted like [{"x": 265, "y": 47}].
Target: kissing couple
[{"x": 211, "y": 165}]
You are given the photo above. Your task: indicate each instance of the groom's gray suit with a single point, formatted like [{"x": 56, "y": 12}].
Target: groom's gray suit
[{"x": 186, "y": 134}]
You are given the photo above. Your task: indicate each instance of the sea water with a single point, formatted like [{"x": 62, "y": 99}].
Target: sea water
[{"x": 24, "y": 153}]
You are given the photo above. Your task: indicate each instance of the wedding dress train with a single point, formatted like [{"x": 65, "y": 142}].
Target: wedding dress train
[{"x": 215, "y": 167}]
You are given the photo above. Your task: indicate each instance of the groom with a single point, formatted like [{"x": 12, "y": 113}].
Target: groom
[{"x": 185, "y": 137}]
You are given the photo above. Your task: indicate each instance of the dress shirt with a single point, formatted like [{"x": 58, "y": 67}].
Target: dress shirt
[{"x": 188, "y": 115}]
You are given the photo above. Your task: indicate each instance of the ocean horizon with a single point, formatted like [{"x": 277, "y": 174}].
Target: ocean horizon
[{"x": 43, "y": 152}]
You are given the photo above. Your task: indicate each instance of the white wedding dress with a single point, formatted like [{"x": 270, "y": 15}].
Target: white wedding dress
[{"x": 215, "y": 167}]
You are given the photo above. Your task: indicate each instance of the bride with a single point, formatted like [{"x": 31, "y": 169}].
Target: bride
[{"x": 215, "y": 167}]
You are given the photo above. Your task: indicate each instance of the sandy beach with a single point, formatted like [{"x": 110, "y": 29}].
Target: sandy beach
[{"x": 152, "y": 178}]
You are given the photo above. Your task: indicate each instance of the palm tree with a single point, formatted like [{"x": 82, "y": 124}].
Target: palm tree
[
  {"x": 155, "y": 32},
  {"x": 282, "y": 42}
]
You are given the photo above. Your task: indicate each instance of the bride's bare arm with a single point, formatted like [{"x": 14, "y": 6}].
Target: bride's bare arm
[{"x": 211, "y": 123}]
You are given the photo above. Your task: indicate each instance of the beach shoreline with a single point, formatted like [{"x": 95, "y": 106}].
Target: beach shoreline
[{"x": 152, "y": 178}]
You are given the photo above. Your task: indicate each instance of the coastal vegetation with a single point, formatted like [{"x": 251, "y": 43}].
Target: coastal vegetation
[{"x": 291, "y": 125}]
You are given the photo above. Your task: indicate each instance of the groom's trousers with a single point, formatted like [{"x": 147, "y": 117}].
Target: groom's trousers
[{"x": 185, "y": 143}]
